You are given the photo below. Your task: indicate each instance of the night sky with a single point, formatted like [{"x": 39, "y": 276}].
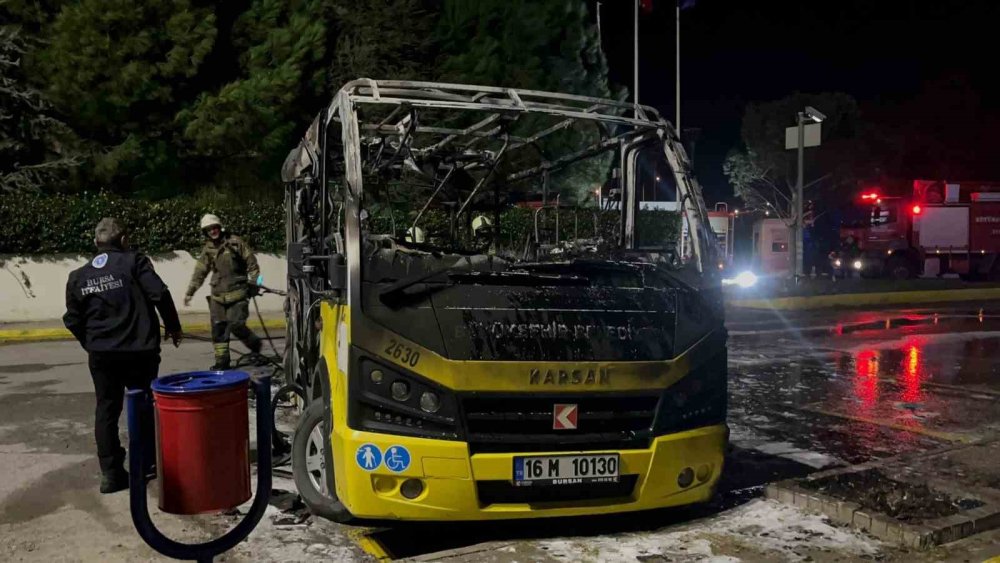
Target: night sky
[{"x": 882, "y": 52}]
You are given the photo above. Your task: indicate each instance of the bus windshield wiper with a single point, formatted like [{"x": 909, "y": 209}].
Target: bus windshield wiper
[
  {"x": 520, "y": 277},
  {"x": 392, "y": 293}
]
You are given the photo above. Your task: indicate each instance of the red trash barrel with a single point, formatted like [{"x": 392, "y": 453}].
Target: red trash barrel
[{"x": 203, "y": 458}]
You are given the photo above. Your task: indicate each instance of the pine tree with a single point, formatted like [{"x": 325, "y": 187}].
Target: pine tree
[
  {"x": 177, "y": 95},
  {"x": 382, "y": 40},
  {"x": 118, "y": 70},
  {"x": 248, "y": 124},
  {"x": 522, "y": 44},
  {"x": 35, "y": 149},
  {"x": 528, "y": 44}
]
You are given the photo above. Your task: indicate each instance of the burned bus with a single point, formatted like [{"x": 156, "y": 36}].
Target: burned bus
[{"x": 465, "y": 357}]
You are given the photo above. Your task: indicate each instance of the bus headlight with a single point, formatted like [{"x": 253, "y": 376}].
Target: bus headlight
[
  {"x": 400, "y": 390},
  {"x": 696, "y": 400},
  {"x": 430, "y": 402},
  {"x": 392, "y": 400},
  {"x": 858, "y": 264},
  {"x": 837, "y": 263}
]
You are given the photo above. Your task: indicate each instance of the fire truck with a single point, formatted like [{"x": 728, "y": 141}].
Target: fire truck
[{"x": 943, "y": 227}]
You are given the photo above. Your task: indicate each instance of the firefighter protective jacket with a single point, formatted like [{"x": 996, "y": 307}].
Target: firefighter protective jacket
[{"x": 233, "y": 267}]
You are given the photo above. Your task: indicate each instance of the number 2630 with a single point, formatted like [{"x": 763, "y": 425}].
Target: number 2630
[{"x": 403, "y": 353}]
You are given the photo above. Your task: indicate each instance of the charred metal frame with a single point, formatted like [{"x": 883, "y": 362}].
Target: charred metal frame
[{"x": 314, "y": 247}]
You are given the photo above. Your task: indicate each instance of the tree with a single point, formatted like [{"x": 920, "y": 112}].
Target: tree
[
  {"x": 34, "y": 147},
  {"x": 245, "y": 127},
  {"x": 763, "y": 172},
  {"x": 534, "y": 45},
  {"x": 170, "y": 96},
  {"x": 118, "y": 71},
  {"x": 382, "y": 40}
]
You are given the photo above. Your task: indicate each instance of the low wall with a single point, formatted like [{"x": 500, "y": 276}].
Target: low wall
[{"x": 33, "y": 288}]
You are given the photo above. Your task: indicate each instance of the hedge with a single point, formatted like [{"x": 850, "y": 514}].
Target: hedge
[{"x": 33, "y": 224}]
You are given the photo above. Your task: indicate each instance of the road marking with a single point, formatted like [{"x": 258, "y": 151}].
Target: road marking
[
  {"x": 944, "y": 436},
  {"x": 858, "y": 299},
  {"x": 984, "y": 394},
  {"x": 368, "y": 544},
  {"x": 44, "y": 334},
  {"x": 34, "y": 334}
]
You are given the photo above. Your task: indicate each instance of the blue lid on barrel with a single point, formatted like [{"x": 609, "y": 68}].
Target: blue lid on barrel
[{"x": 198, "y": 381}]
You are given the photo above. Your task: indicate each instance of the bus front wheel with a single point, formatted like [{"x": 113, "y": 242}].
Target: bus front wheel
[{"x": 311, "y": 464}]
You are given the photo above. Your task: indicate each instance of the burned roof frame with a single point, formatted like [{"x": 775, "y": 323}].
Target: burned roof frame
[
  {"x": 621, "y": 124},
  {"x": 498, "y": 103}
]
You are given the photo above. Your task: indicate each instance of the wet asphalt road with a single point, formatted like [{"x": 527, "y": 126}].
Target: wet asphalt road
[
  {"x": 808, "y": 390},
  {"x": 848, "y": 387}
]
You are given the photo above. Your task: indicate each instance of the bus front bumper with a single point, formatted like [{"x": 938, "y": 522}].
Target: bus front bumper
[{"x": 457, "y": 486}]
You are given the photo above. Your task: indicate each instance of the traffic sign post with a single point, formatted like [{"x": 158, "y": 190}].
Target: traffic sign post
[{"x": 800, "y": 143}]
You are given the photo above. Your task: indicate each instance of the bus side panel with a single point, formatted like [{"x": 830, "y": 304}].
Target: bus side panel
[{"x": 335, "y": 344}]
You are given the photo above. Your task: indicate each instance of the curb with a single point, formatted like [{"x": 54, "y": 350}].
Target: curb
[
  {"x": 47, "y": 334},
  {"x": 923, "y": 535},
  {"x": 913, "y": 536},
  {"x": 861, "y": 299}
]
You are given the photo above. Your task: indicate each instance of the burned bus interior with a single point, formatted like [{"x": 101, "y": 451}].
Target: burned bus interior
[{"x": 526, "y": 200}]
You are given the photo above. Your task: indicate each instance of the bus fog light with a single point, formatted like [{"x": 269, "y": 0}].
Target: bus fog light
[
  {"x": 384, "y": 485},
  {"x": 376, "y": 376},
  {"x": 400, "y": 390},
  {"x": 686, "y": 477},
  {"x": 429, "y": 402},
  {"x": 411, "y": 488},
  {"x": 704, "y": 472}
]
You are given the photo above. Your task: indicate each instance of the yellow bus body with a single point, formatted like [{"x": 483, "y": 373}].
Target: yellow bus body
[{"x": 449, "y": 474}]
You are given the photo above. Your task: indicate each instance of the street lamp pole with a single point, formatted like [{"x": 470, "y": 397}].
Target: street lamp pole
[
  {"x": 800, "y": 122},
  {"x": 677, "y": 67},
  {"x": 635, "y": 61}
]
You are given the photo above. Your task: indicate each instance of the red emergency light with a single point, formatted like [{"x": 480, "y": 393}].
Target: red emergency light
[
  {"x": 917, "y": 210},
  {"x": 872, "y": 195}
]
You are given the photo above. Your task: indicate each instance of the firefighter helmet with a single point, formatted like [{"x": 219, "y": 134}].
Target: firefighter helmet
[
  {"x": 481, "y": 223},
  {"x": 414, "y": 234},
  {"x": 210, "y": 220}
]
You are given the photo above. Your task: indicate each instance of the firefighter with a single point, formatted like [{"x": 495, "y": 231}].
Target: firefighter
[
  {"x": 111, "y": 306},
  {"x": 234, "y": 281},
  {"x": 849, "y": 247},
  {"x": 482, "y": 232}
]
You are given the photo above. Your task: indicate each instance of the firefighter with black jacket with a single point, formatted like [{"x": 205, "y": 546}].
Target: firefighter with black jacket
[
  {"x": 111, "y": 306},
  {"x": 234, "y": 281}
]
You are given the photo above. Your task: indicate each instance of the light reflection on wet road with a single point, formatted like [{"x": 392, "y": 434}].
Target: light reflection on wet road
[{"x": 848, "y": 387}]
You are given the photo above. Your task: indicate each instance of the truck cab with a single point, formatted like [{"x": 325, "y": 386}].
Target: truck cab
[{"x": 941, "y": 227}]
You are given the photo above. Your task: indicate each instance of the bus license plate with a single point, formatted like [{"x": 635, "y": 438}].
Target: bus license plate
[{"x": 566, "y": 469}]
